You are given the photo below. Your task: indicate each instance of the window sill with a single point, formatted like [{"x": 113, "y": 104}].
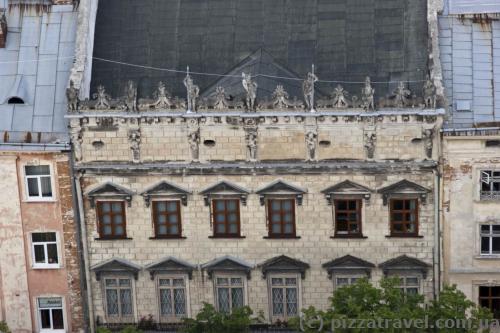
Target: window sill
[
  {"x": 281, "y": 237},
  {"x": 488, "y": 257},
  {"x": 112, "y": 239},
  {"x": 227, "y": 237},
  {"x": 40, "y": 200},
  {"x": 348, "y": 237},
  {"x": 404, "y": 236},
  {"x": 46, "y": 267},
  {"x": 167, "y": 237}
]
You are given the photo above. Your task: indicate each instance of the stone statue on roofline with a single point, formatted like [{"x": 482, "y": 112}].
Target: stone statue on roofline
[
  {"x": 72, "y": 97},
  {"x": 162, "y": 97},
  {"x": 221, "y": 101},
  {"x": 308, "y": 90},
  {"x": 193, "y": 91},
  {"x": 367, "y": 95},
  {"x": 131, "y": 96},
  {"x": 401, "y": 95},
  {"x": 251, "y": 88},
  {"x": 429, "y": 93},
  {"x": 102, "y": 98},
  {"x": 340, "y": 97}
]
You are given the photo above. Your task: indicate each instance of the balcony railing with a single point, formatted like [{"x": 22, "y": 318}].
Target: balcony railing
[{"x": 490, "y": 195}]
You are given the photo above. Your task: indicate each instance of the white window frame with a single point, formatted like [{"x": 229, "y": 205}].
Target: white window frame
[
  {"x": 46, "y": 265},
  {"x": 39, "y": 197},
  {"x": 229, "y": 276},
  {"x": 284, "y": 317},
  {"x": 173, "y": 318},
  {"x": 346, "y": 276},
  {"x": 120, "y": 318},
  {"x": 404, "y": 286},
  {"x": 485, "y": 178},
  {"x": 39, "y": 317},
  {"x": 490, "y": 235}
]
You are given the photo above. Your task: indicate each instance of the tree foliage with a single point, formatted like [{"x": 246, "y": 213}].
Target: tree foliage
[
  {"x": 388, "y": 309},
  {"x": 209, "y": 320}
]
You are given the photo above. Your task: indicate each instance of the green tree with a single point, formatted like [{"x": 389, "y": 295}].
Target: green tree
[
  {"x": 4, "y": 328},
  {"x": 209, "y": 320}
]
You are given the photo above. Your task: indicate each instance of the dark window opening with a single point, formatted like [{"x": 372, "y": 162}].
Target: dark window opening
[
  {"x": 489, "y": 297},
  {"x": 348, "y": 217},
  {"x": 226, "y": 218},
  {"x": 281, "y": 217},
  {"x": 404, "y": 217},
  {"x": 15, "y": 100}
]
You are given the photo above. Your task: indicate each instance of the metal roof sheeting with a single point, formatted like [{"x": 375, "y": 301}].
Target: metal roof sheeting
[{"x": 459, "y": 7}]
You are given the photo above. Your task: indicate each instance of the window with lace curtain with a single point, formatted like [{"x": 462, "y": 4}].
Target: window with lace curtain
[
  {"x": 119, "y": 300},
  {"x": 38, "y": 182},
  {"x": 229, "y": 291},
  {"x": 284, "y": 297},
  {"x": 172, "y": 298}
]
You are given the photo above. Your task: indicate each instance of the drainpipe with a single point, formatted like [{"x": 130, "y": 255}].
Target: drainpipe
[
  {"x": 437, "y": 233},
  {"x": 83, "y": 231}
]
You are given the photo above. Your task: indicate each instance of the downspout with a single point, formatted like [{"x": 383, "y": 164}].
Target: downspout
[
  {"x": 437, "y": 233},
  {"x": 83, "y": 231}
]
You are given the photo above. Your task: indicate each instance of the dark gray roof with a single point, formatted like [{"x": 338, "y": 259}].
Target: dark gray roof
[{"x": 345, "y": 39}]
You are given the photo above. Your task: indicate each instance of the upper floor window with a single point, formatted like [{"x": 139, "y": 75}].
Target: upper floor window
[
  {"x": 172, "y": 298},
  {"x": 490, "y": 239},
  {"x": 38, "y": 182},
  {"x": 119, "y": 299},
  {"x": 44, "y": 249},
  {"x": 404, "y": 217},
  {"x": 347, "y": 217},
  {"x": 281, "y": 217},
  {"x": 112, "y": 221},
  {"x": 490, "y": 185},
  {"x": 284, "y": 296},
  {"x": 167, "y": 219},
  {"x": 229, "y": 291},
  {"x": 226, "y": 217}
]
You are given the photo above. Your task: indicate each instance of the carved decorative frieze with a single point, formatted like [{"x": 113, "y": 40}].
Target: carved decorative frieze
[
  {"x": 162, "y": 97},
  {"x": 402, "y": 96},
  {"x": 102, "y": 99},
  {"x": 134, "y": 137}
]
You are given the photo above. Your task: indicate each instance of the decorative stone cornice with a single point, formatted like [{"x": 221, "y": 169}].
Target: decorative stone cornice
[
  {"x": 110, "y": 190},
  {"x": 404, "y": 187},
  {"x": 283, "y": 264},
  {"x": 346, "y": 188},
  {"x": 405, "y": 264},
  {"x": 280, "y": 187},
  {"x": 116, "y": 266},
  {"x": 165, "y": 188},
  {"x": 170, "y": 265},
  {"x": 348, "y": 264},
  {"x": 227, "y": 264}
]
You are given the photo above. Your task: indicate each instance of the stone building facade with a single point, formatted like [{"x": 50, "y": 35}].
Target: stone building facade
[
  {"x": 40, "y": 277},
  {"x": 470, "y": 53}
]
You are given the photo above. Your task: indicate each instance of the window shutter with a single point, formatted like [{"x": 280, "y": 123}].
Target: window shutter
[{"x": 485, "y": 177}]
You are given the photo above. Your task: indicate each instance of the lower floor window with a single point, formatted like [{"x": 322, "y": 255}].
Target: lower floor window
[
  {"x": 172, "y": 293},
  {"x": 284, "y": 297},
  {"x": 489, "y": 297},
  {"x": 50, "y": 310},
  {"x": 229, "y": 292},
  {"x": 409, "y": 285},
  {"x": 119, "y": 303},
  {"x": 342, "y": 281}
]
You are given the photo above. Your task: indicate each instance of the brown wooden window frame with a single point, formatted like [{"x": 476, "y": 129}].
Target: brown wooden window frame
[
  {"x": 100, "y": 216},
  {"x": 358, "y": 211},
  {"x": 270, "y": 211},
  {"x": 167, "y": 214},
  {"x": 489, "y": 299},
  {"x": 404, "y": 222},
  {"x": 226, "y": 213}
]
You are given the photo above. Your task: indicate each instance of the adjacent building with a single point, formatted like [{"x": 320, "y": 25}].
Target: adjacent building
[
  {"x": 268, "y": 189},
  {"x": 40, "y": 279},
  {"x": 470, "y": 56}
]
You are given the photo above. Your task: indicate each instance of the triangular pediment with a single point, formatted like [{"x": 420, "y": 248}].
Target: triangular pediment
[
  {"x": 165, "y": 187},
  {"x": 170, "y": 265},
  {"x": 280, "y": 186},
  {"x": 116, "y": 266},
  {"x": 402, "y": 187},
  {"x": 227, "y": 264},
  {"x": 404, "y": 263},
  {"x": 348, "y": 262},
  {"x": 224, "y": 187},
  {"x": 107, "y": 189},
  {"x": 347, "y": 187},
  {"x": 284, "y": 264}
]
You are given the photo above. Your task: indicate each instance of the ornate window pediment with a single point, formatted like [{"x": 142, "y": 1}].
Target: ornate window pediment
[
  {"x": 163, "y": 189},
  {"x": 227, "y": 264},
  {"x": 116, "y": 266},
  {"x": 225, "y": 188},
  {"x": 404, "y": 264},
  {"x": 110, "y": 191},
  {"x": 404, "y": 188},
  {"x": 348, "y": 264},
  {"x": 280, "y": 187},
  {"x": 170, "y": 265},
  {"x": 284, "y": 264},
  {"x": 346, "y": 188}
]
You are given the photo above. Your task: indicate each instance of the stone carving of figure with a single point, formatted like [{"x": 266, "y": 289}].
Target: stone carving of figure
[
  {"x": 72, "y": 97},
  {"x": 193, "y": 92},
  {"x": 428, "y": 138},
  {"x": 251, "y": 88},
  {"x": 308, "y": 90},
  {"x": 280, "y": 97},
  {"x": 429, "y": 92},
  {"x": 162, "y": 97},
  {"x": 340, "y": 97},
  {"x": 131, "y": 96},
  {"x": 311, "y": 137},
  {"x": 134, "y": 138},
  {"x": 370, "y": 140},
  {"x": 401, "y": 95},
  {"x": 76, "y": 140},
  {"x": 367, "y": 95},
  {"x": 220, "y": 99},
  {"x": 251, "y": 140},
  {"x": 102, "y": 99},
  {"x": 194, "y": 144}
]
